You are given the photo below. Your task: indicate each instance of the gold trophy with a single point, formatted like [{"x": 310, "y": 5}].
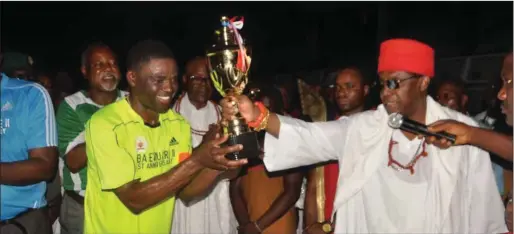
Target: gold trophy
[{"x": 229, "y": 65}]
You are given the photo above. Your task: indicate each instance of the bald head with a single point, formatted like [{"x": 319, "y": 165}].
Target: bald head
[
  {"x": 197, "y": 82},
  {"x": 351, "y": 91}
]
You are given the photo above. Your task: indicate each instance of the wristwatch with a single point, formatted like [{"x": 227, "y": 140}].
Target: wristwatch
[{"x": 326, "y": 227}]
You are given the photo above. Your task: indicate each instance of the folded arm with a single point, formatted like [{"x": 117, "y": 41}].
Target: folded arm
[
  {"x": 71, "y": 138},
  {"x": 41, "y": 141},
  {"x": 76, "y": 159},
  {"x": 41, "y": 166}
]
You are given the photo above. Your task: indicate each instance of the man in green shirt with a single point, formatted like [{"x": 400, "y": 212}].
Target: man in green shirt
[
  {"x": 139, "y": 152},
  {"x": 100, "y": 68}
]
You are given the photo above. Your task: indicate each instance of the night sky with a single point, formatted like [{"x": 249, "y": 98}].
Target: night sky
[{"x": 286, "y": 37}]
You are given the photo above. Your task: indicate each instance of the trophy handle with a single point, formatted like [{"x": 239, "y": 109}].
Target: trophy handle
[{"x": 218, "y": 85}]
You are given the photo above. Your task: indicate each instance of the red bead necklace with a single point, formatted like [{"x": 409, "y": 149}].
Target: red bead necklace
[{"x": 410, "y": 166}]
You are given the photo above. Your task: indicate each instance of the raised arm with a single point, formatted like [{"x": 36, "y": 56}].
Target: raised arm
[
  {"x": 231, "y": 105},
  {"x": 488, "y": 140},
  {"x": 307, "y": 143},
  {"x": 41, "y": 141}
]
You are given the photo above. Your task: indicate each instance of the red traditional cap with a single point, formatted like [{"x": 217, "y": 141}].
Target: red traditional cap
[{"x": 406, "y": 55}]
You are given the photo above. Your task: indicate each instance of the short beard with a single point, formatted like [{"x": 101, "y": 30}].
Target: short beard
[{"x": 107, "y": 88}]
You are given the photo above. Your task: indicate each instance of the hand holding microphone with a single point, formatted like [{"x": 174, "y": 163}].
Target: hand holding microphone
[{"x": 442, "y": 133}]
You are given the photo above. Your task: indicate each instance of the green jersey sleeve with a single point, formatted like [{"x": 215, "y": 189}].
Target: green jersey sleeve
[{"x": 69, "y": 128}]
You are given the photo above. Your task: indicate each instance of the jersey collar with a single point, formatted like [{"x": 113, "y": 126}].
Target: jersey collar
[{"x": 5, "y": 79}]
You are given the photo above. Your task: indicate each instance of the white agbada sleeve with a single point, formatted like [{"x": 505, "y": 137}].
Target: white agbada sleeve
[
  {"x": 302, "y": 143},
  {"x": 486, "y": 214}
]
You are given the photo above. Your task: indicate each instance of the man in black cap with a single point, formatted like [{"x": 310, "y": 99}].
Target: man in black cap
[{"x": 17, "y": 65}]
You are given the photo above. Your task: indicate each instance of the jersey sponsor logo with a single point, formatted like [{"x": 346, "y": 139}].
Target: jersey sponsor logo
[
  {"x": 183, "y": 156},
  {"x": 141, "y": 144},
  {"x": 7, "y": 106},
  {"x": 155, "y": 159},
  {"x": 173, "y": 141}
]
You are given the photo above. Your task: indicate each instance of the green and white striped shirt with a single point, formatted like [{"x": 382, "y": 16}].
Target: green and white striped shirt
[{"x": 72, "y": 115}]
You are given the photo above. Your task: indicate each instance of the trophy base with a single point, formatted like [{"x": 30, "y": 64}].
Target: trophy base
[{"x": 250, "y": 144}]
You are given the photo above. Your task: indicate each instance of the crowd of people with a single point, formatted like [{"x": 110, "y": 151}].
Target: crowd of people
[{"x": 151, "y": 159}]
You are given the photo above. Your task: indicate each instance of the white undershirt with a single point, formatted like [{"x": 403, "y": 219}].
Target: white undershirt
[
  {"x": 199, "y": 119},
  {"x": 213, "y": 213},
  {"x": 408, "y": 192}
]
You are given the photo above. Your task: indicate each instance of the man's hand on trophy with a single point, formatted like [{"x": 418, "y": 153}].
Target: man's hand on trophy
[
  {"x": 212, "y": 155},
  {"x": 231, "y": 105}
]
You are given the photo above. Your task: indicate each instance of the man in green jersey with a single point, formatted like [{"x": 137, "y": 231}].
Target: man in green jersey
[
  {"x": 100, "y": 68},
  {"x": 139, "y": 152}
]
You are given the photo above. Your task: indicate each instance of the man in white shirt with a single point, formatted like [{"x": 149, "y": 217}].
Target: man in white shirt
[
  {"x": 213, "y": 213},
  {"x": 389, "y": 180}
]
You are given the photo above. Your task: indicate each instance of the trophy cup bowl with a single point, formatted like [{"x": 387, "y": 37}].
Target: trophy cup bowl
[{"x": 229, "y": 65}]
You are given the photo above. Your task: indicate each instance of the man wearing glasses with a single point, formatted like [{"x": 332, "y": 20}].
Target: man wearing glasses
[
  {"x": 212, "y": 213},
  {"x": 390, "y": 181}
]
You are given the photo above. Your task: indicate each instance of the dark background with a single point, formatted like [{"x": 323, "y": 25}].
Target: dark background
[{"x": 286, "y": 37}]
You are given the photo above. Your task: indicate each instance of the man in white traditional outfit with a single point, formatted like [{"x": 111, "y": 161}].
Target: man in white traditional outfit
[
  {"x": 390, "y": 181},
  {"x": 212, "y": 214}
]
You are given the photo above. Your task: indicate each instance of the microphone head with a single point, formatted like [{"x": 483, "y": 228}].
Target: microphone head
[{"x": 395, "y": 120}]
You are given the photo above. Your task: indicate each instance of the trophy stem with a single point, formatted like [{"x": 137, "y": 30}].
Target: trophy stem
[
  {"x": 237, "y": 126},
  {"x": 240, "y": 133}
]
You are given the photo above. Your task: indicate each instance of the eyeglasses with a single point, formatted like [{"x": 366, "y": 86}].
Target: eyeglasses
[
  {"x": 199, "y": 79},
  {"x": 395, "y": 83}
]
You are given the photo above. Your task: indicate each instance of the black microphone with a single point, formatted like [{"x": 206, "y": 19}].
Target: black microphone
[{"x": 396, "y": 120}]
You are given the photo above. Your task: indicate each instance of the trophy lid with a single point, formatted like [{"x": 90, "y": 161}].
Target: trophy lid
[{"x": 226, "y": 36}]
